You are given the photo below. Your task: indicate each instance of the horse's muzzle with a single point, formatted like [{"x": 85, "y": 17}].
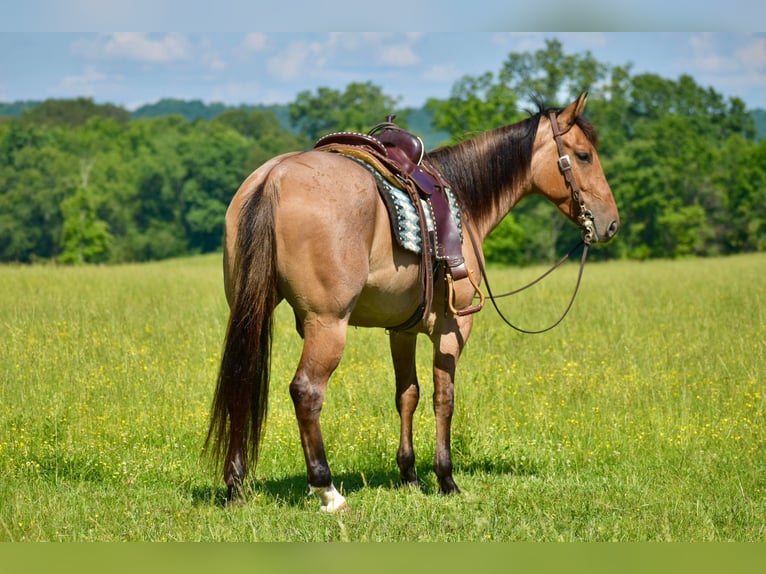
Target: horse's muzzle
[
  {"x": 595, "y": 233},
  {"x": 612, "y": 229}
]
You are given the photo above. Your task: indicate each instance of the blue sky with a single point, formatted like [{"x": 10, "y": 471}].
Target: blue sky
[{"x": 135, "y": 68}]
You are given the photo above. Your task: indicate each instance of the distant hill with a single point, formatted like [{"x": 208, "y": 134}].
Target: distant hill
[
  {"x": 16, "y": 109},
  {"x": 418, "y": 121},
  {"x": 189, "y": 109}
]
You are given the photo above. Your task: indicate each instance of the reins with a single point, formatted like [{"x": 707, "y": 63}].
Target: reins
[
  {"x": 492, "y": 297},
  {"x": 585, "y": 219}
]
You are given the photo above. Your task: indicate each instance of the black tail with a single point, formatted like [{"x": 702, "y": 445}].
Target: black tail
[{"x": 241, "y": 396}]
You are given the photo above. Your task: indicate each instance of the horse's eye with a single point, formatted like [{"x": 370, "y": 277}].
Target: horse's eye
[{"x": 583, "y": 156}]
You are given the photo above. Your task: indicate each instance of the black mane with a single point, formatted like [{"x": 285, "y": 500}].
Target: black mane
[{"x": 490, "y": 161}]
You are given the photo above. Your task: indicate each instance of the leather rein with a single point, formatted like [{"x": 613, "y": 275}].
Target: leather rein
[{"x": 584, "y": 219}]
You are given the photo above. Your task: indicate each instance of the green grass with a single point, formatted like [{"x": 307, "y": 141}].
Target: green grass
[{"x": 641, "y": 417}]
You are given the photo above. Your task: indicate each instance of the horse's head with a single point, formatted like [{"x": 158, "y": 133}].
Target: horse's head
[{"x": 567, "y": 171}]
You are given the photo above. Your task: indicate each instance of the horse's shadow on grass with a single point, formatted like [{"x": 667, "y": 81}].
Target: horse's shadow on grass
[{"x": 293, "y": 490}]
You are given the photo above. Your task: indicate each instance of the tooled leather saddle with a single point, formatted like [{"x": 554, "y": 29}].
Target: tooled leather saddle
[{"x": 399, "y": 156}]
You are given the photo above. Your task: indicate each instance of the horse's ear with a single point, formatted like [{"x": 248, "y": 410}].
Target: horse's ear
[{"x": 569, "y": 114}]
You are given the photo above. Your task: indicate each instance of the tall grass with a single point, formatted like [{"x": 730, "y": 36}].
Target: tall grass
[{"x": 641, "y": 417}]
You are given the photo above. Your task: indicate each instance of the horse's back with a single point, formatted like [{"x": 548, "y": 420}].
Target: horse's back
[{"x": 335, "y": 252}]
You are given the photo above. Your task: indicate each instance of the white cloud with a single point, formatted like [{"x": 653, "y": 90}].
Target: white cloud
[
  {"x": 519, "y": 41},
  {"x": 298, "y": 59},
  {"x": 398, "y": 55},
  {"x": 711, "y": 53},
  {"x": 735, "y": 64},
  {"x": 743, "y": 53},
  {"x": 237, "y": 92},
  {"x": 387, "y": 48},
  {"x": 86, "y": 84},
  {"x": 210, "y": 56},
  {"x": 138, "y": 46},
  {"x": 752, "y": 54},
  {"x": 256, "y": 41},
  {"x": 441, "y": 73},
  {"x": 706, "y": 54},
  {"x": 702, "y": 42},
  {"x": 354, "y": 42},
  {"x": 337, "y": 54},
  {"x": 213, "y": 62}
]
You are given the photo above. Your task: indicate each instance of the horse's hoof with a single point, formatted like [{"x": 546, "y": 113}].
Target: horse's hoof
[
  {"x": 448, "y": 486},
  {"x": 332, "y": 500},
  {"x": 235, "y": 495},
  {"x": 344, "y": 507},
  {"x": 410, "y": 484},
  {"x": 409, "y": 478}
]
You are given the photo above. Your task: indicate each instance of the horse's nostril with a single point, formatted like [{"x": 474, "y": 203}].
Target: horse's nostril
[{"x": 611, "y": 231}]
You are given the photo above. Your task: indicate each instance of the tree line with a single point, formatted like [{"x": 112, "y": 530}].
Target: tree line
[{"x": 86, "y": 182}]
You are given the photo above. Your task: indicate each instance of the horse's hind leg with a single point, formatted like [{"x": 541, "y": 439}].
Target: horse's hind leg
[
  {"x": 447, "y": 349},
  {"x": 322, "y": 349},
  {"x": 403, "y": 347},
  {"x": 234, "y": 475}
]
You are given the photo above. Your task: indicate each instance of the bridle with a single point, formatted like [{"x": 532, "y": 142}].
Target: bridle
[{"x": 584, "y": 219}]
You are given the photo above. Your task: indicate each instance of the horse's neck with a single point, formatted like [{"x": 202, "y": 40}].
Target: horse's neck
[
  {"x": 486, "y": 201},
  {"x": 492, "y": 172},
  {"x": 509, "y": 198}
]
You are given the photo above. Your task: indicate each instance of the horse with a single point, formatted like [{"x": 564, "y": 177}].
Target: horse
[{"x": 310, "y": 228}]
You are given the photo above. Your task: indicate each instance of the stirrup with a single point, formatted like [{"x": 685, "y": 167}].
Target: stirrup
[{"x": 451, "y": 297}]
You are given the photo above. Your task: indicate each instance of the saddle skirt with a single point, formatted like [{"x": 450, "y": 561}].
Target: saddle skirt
[{"x": 405, "y": 222}]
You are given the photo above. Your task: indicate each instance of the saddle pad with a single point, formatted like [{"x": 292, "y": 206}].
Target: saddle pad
[{"x": 405, "y": 223}]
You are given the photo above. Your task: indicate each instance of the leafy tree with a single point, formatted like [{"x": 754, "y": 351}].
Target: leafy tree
[
  {"x": 72, "y": 112},
  {"x": 669, "y": 168},
  {"x": 551, "y": 75},
  {"x": 742, "y": 171},
  {"x": 85, "y": 238},
  {"x": 189, "y": 109},
  {"x": 267, "y": 137},
  {"x": 475, "y": 105},
  {"x": 358, "y": 108},
  {"x": 31, "y": 191},
  {"x": 215, "y": 163},
  {"x": 506, "y": 243},
  {"x": 16, "y": 136},
  {"x": 611, "y": 112},
  {"x": 759, "y": 118}
]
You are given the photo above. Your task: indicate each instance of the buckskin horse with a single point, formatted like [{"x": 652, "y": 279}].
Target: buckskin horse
[{"x": 311, "y": 228}]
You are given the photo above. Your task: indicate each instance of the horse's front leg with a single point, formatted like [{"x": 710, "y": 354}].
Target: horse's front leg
[
  {"x": 322, "y": 350},
  {"x": 403, "y": 347},
  {"x": 447, "y": 349}
]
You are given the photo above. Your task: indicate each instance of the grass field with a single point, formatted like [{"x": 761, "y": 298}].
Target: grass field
[{"x": 641, "y": 417}]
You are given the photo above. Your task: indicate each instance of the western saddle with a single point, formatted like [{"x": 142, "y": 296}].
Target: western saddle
[{"x": 399, "y": 157}]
